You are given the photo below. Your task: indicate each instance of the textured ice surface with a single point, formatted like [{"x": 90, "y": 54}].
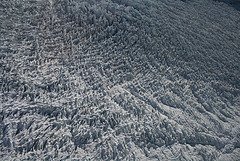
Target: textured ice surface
[{"x": 119, "y": 80}]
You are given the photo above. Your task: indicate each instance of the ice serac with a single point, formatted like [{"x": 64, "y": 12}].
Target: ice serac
[{"x": 119, "y": 80}]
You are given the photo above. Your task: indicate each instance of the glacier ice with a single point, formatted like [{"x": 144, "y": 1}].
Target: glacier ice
[{"x": 119, "y": 80}]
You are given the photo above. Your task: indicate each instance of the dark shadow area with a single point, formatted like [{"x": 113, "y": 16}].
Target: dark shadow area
[{"x": 234, "y": 3}]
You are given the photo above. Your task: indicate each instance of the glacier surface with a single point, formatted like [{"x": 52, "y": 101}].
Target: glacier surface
[{"x": 119, "y": 80}]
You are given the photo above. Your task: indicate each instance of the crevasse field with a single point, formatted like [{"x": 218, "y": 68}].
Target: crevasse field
[{"x": 120, "y": 80}]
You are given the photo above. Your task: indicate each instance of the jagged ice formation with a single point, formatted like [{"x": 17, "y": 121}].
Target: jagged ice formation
[{"x": 119, "y": 80}]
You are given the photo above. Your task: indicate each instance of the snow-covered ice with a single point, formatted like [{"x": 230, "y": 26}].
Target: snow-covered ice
[{"x": 119, "y": 80}]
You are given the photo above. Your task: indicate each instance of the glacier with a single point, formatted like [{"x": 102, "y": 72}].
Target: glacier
[{"x": 119, "y": 80}]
